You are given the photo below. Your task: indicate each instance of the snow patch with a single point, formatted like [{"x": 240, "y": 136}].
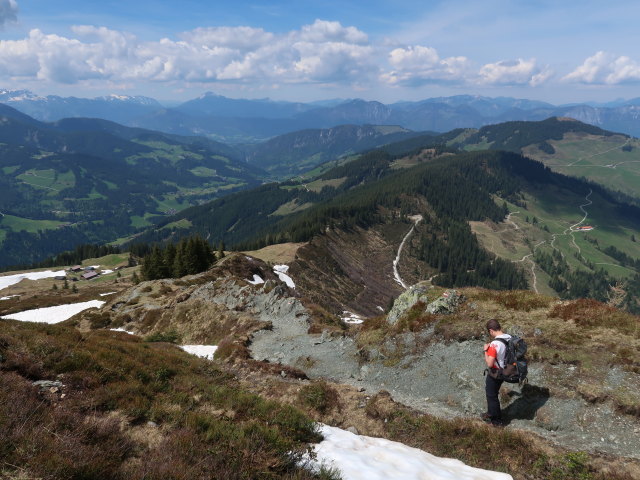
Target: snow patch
[
  {"x": 350, "y": 317},
  {"x": 56, "y": 314},
  {"x": 281, "y": 271},
  {"x": 9, "y": 280},
  {"x": 9, "y": 297},
  {"x": 202, "y": 351},
  {"x": 107, "y": 293},
  {"x": 367, "y": 458},
  {"x": 121, "y": 330},
  {"x": 106, "y": 272},
  {"x": 256, "y": 280}
]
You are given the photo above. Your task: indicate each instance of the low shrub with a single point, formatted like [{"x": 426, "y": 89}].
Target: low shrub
[
  {"x": 170, "y": 336},
  {"x": 319, "y": 396}
]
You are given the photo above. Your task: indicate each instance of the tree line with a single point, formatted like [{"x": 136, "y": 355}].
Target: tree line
[{"x": 190, "y": 256}]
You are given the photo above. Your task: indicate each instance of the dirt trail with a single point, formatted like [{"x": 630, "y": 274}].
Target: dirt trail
[{"x": 416, "y": 219}]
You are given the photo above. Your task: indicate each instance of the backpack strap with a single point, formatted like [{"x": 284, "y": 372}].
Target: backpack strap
[{"x": 503, "y": 340}]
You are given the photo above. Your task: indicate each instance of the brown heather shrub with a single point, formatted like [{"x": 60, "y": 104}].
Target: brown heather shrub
[
  {"x": 321, "y": 319},
  {"x": 230, "y": 349},
  {"x": 76, "y": 436},
  {"x": 587, "y": 312},
  {"x": 521, "y": 300},
  {"x": 475, "y": 444},
  {"x": 98, "y": 319},
  {"x": 319, "y": 396},
  {"x": 415, "y": 319},
  {"x": 277, "y": 369}
]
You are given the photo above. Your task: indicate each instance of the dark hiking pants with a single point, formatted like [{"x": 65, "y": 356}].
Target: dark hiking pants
[{"x": 492, "y": 387}]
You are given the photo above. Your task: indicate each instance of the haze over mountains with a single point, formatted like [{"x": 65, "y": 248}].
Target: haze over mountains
[{"x": 243, "y": 120}]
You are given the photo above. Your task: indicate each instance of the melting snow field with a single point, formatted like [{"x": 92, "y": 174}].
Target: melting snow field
[
  {"x": 367, "y": 458},
  {"x": 54, "y": 314},
  {"x": 257, "y": 279},
  {"x": 9, "y": 280},
  {"x": 203, "y": 351},
  {"x": 281, "y": 271}
]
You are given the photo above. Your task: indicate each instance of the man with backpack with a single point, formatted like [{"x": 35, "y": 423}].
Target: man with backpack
[{"x": 494, "y": 355}]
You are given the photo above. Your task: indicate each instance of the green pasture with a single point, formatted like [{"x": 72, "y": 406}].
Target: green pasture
[
  {"x": 183, "y": 223},
  {"x": 48, "y": 179},
  {"x": 204, "y": 172},
  {"x": 163, "y": 151},
  {"x": 11, "y": 169},
  {"x": 17, "y": 224},
  {"x": 600, "y": 159}
]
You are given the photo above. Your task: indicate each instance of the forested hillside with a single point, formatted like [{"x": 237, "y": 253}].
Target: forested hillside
[
  {"x": 92, "y": 181},
  {"x": 449, "y": 191}
]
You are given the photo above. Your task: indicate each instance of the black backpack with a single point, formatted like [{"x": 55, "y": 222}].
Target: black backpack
[{"x": 515, "y": 363}]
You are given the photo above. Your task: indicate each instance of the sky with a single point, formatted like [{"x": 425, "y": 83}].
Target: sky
[{"x": 302, "y": 50}]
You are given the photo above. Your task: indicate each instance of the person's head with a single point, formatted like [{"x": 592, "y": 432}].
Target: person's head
[{"x": 493, "y": 327}]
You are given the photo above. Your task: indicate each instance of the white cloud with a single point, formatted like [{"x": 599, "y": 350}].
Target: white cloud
[
  {"x": 513, "y": 72},
  {"x": 606, "y": 68},
  {"x": 415, "y": 65},
  {"x": 321, "y": 52},
  {"x": 8, "y": 11}
]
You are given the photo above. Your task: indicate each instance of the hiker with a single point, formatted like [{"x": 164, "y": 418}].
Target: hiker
[{"x": 494, "y": 356}]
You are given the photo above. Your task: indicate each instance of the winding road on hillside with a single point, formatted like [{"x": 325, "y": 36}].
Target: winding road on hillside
[{"x": 416, "y": 219}]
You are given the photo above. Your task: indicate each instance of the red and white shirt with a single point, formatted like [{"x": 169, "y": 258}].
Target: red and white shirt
[{"x": 498, "y": 350}]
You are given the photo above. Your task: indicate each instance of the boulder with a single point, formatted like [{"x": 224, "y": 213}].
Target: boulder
[
  {"x": 411, "y": 296},
  {"x": 448, "y": 302}
]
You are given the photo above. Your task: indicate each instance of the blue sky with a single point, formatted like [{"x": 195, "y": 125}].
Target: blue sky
[{"x": 305, "y": 50}]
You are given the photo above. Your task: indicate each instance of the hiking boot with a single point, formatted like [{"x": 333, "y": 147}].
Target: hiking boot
[{"x": 486, "y": 417}]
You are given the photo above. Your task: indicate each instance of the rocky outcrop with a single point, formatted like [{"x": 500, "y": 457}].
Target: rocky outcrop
[
  {"x": 414, "y": 294},
  {"x": 447, "y": 303}
]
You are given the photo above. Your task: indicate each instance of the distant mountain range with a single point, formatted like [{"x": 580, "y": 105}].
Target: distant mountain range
[{"x": 246, "y": 121}]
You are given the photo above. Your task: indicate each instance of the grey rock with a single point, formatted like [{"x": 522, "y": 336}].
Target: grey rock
[
  {"x": 414, "y": 294},
  {"x": 353, "y": 430},
  {"x": 47, "y": 383},
  {"x": 447, "y": 303}
]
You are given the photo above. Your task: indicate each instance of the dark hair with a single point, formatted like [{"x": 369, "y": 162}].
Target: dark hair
[{"x": 494, "y": 325}]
